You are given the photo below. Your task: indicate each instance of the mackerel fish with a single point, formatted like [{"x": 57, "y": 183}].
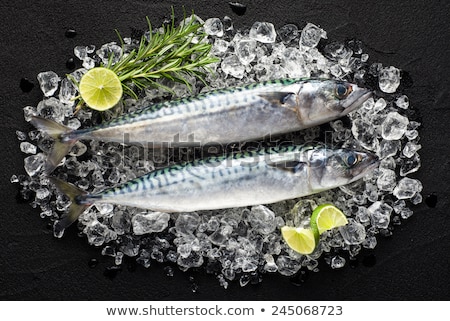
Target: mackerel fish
[
  {"x": 218, "y": 117},
  {"x": 240, "y": 179}
]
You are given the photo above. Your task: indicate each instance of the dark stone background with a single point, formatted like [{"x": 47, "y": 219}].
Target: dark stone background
[{"x": 413, "y": 264}]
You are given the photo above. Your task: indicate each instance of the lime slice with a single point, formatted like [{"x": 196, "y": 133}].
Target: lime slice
[
  {"x": 326, "y": 217},
  {"x": 301, "y": 240},
  {"x": 100, "y": 88}
]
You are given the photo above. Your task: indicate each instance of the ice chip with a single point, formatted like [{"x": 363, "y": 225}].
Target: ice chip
[
  {"x": 213, "y": 27},
  {"x": 288, "y": 33},
  {"x": 232, "y": 65},
  {"x": 293, "y": 62},
  {"x": 245, "y": 50},
  {"x": 21, "y": 135},
  {"x": 353, "y": 233},
  {"x": 394, "y": 126},
  {"x": 410, "y": 165},
  {"x": 186, "y": 223},
  {"x": 80, "y": 52},
  {"x": 337, "y": 262},
  {"x": 263, "y": 32},
  {"x": 28, "y": 148},
  {"x": 48, "y": 81},
  {"x": 287, "y": 266},
  {"x": 33, "y": 164},
  {"x": 389, "y": 79},
  {"x": 220, "y": 236},
  {"x": 380, "y": 214},
  {"x": 388, "y": 148},
  {"x": 410, "y": 149},
  {"x": 365, "y": 134},
  {"x": 402, "y": 102},
  {"x": 310, "y": 36},
  {"x": 387, "y": 180},
  {"x": 407, "y": 188},
  {"x": 67, "y": 91},
  {"x": 262, "y": 219},
  {"x": 109, "y": 51}
]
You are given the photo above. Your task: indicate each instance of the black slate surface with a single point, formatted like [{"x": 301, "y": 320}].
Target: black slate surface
[{"x": 413, "y": 264}]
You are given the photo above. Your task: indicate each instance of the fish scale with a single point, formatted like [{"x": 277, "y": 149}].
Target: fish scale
[
  {"x": 218, "y": 117},
  {"x": 240, "y": 179}
]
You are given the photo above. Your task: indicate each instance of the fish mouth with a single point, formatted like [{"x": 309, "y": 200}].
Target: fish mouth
[
  {"x": 363, "y": 94},
  {"x": 372, "y": 162}
]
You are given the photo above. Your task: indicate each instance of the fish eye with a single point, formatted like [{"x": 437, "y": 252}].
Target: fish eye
[
  {"x": 351, "y": 159},
  {"x": 341, "y": 91}
]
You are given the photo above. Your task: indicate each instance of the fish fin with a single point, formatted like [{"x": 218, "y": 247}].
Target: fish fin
[
  {"x": 290, "y": 166},
  {"x": 79, "y": 204},
  {"x": 62, "y": 144},
  {"x": 277, "y": 97}
]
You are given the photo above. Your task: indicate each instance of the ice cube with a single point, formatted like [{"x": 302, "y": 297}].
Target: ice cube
[
  {"x": 48, "y": 81},
  {"x": 232, "y": 65},
  {"x": 34, "y": 163},
  {"x": 389, "y": 79},
  {"x": 21, "y": 135},
  {"x": 263, "y": 32},
  {"x": 410, "y": 149},
  {"x": 410, "y": 165},
  {"x": 310, "y": 36},
  {"x": 213, "y": 27},
  {"x": 220, "y": 236},
  {"x": 262, "y": 219},
  {"x": 402, "y": 102},
  {"x": 380, "y": 214},
  {"x": 337, "y": 262},
  {"x": 152, "y": 222},
  {"x": 186, "y": 223},
  {"x": 67, "y": 91},
  {"x": 288, "y": 33},
  {"x": 28, "y": 148},
  {"x": 294, "y": 63},
  {"x": 220, "y": 47},
  {"x": 353, "y": 233},
  {"x": 388, "y": 148},
  {"x": 407, "y": 188},
  {"x": 287, "y": 266},
  {"x": 245, "y": 50},
  {"x": 365, "y": 134},
  {"x": 109, "y": 51},
  {"x": 80, "y": 52},
  {"x": 387, "y": 180},
  {"x": 394, "y": 126}
]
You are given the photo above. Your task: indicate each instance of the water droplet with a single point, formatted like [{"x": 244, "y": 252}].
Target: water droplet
[
  {"x": 26, "y": 85},
  {"x": 70, "y": 63},
  {"x": 431, "y": 200},
  {"x": 70, "y": 33},
  {"x": 238, "y": 8},
  {"x": 93, "y": 263}
]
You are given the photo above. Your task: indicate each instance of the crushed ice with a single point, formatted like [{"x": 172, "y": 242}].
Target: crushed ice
[{"x": 242, "y": 243}]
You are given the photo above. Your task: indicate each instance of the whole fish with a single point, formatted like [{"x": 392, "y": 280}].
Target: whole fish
[
  {"x": 218, "y": 117},
  {"x": 241, "y": 179}
]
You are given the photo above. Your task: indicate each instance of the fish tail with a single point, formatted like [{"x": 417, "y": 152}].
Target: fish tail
[
  {"x": 79, "y": 203},
  {"x": 63, "y": 141}
]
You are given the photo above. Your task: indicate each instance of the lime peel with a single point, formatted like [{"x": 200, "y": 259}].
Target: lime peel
[{"x": 100, "y": 88}]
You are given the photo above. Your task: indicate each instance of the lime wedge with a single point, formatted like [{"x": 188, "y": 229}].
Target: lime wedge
[
  {"x": 301, "y": 240},
  {"x": 100, "y": 88},
  {"x": 326, "y": 217}
]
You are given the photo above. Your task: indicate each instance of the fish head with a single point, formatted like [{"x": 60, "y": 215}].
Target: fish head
[
  {"x": 319, "y": 101},
  {"x": 330, "y": 168}
]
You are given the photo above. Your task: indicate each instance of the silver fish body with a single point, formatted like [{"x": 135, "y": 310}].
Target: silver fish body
[
  {"x": 220, "y": 116},
  {"x": 242, "y": 179}
]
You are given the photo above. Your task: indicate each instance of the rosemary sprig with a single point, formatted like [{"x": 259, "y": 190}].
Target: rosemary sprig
[{"x": 171, "y": 52}]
